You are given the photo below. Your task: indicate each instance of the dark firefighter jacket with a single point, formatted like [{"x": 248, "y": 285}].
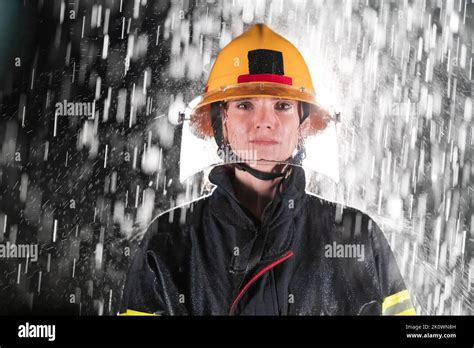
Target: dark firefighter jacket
[{"x": 308, "y": 256}]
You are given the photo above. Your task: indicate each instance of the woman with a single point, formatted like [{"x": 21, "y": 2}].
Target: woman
[{"x": 259, "y": 244}]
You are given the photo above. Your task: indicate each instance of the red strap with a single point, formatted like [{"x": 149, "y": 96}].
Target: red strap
[
  {"x": 286, "y": 80},
  {"x": 255, "y": 277}
]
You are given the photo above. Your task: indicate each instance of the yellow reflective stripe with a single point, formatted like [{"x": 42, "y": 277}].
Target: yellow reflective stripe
[
  {"x": 130, "y": 312},
  {"x": 410, "y": 311},
  {"x": 394, "y": 299}
]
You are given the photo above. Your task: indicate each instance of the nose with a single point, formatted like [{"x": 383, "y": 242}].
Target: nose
[{"x": 264, "y": 117}]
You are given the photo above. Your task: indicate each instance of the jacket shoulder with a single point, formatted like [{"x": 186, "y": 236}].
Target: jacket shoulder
[
  {"x": 349, "y": 220},
  {"x": 355, "y": 225},
  {"x": 177, "y": 219}
]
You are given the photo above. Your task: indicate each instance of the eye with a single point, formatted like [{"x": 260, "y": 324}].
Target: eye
[
  {"x": 244, "y": 106},
  {"x": 284, "y": 106}
]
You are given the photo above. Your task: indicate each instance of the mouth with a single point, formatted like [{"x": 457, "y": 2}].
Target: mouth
[{"x": 264, "y": 142}]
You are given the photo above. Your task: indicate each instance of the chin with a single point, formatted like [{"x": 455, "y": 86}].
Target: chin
[
  {"x": 262, "y": 158},
  {"x": 265, "y": 166}
]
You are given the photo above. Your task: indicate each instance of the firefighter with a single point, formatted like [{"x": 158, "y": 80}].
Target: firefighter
[{"x": 260, "y": 244}]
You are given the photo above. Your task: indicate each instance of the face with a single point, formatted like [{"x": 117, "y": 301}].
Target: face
[{"x": 265, "y": 128}]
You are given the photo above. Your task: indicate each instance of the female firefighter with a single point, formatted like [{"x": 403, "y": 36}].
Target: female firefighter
[{"x": 260, "y": 244}]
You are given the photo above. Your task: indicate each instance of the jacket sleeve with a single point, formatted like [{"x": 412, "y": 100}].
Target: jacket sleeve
[
  {"x": 394, "y": 294},
  {"x": 147, "y": 289}
]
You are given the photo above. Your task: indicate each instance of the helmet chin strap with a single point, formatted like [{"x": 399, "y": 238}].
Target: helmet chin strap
[
  {"x": 258, "y": 173},
  {"x": 224, "y": 145}
]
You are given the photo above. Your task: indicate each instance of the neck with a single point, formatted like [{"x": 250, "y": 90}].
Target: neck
[{"x": 253, "y": 193}]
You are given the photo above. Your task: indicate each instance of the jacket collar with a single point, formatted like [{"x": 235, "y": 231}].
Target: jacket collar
[
  {"x": 278, "y": 224},
  {"x": 293, "y": 190},
  {"x": 260, "y": 242}
]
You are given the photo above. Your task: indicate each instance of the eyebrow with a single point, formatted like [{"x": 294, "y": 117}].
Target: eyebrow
[
  {"x": 250, "y": 99},
  {"x": 236, "y": 100}
]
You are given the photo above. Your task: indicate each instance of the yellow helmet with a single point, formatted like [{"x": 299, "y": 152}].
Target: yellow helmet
[{"x": 258, "y": 63}]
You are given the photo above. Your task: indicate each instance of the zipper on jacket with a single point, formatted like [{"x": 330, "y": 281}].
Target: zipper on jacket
[
  {"x": 259, "y": 244},
  {"x": 257, "y": 250},
  {"x": 255, "y": 277}
]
